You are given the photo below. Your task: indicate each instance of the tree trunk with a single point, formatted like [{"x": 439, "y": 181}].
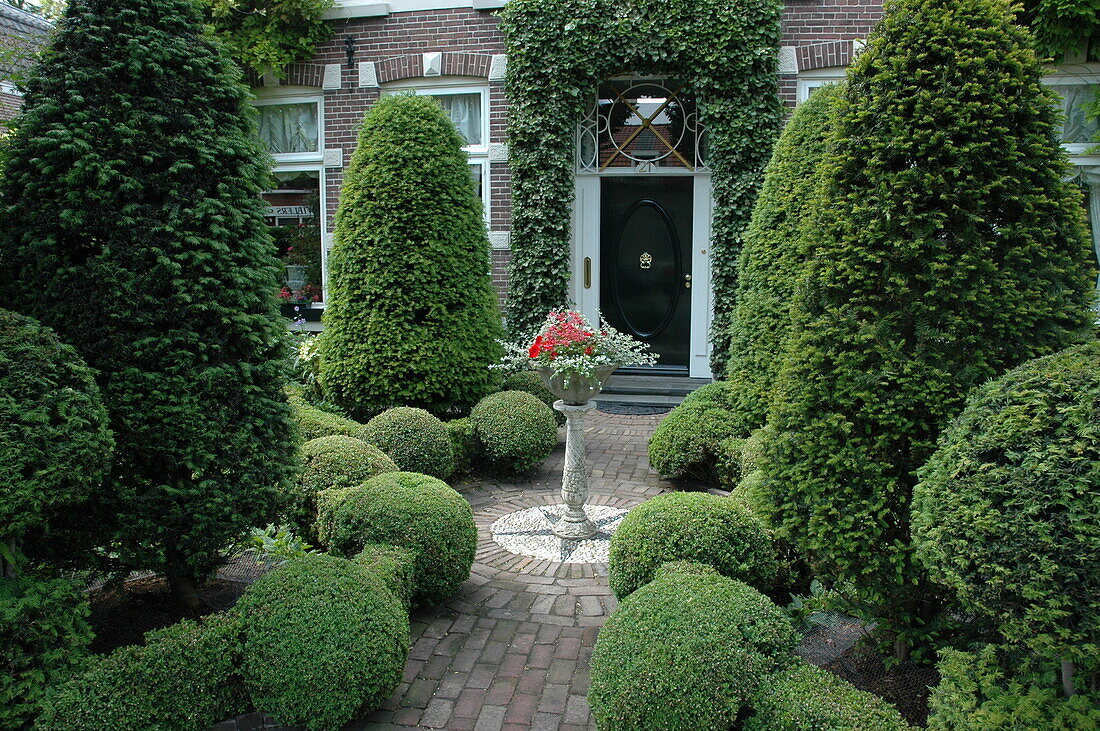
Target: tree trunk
[
  {"x": 901, "y": 650},
  {"x": 185, "y": 591},
  {"x": 6, "y": 558},
  {"x": 1067, "y": 678}
]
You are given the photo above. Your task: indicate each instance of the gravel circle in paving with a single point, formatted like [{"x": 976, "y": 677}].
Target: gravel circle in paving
[{"x": 530, "y": 532}]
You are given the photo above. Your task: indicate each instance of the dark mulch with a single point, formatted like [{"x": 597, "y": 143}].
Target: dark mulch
[
  {"x": 122, "y": 615},
  {"x": 905, "y": 685}
]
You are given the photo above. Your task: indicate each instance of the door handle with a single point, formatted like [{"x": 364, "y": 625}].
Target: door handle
[
  {"x": 588, "y": 272},
  {"x": 687, "y": 281}
]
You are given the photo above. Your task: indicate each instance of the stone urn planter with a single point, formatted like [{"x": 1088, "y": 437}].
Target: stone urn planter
[{"x": 574, "y": 393}]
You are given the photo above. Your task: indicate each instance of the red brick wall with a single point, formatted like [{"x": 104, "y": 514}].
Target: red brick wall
[{"x": 394, "y": 43}]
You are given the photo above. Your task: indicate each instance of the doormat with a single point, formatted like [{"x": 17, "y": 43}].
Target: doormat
[{"x": 631, "y": 409}]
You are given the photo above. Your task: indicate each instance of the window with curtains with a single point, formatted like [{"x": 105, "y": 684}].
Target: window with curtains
[{"x": 291, "y": 127}]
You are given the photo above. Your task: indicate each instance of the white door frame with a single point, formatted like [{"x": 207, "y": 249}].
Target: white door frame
[{"x": 585, "y": 293}]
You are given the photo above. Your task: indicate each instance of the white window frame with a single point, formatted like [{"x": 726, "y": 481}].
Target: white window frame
[
  {"x": 297, "y": 95},
  {"x": 815, "y": 79},
  {"x": 1080, "y": 73},
  {"x": 476, "y": 154}
]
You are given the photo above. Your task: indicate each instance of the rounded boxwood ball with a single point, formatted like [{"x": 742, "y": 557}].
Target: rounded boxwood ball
[
  {"x": 804, "y": 696},
  {"x": 324, "y": 640},
  {"x": 690, "y": 526},
  {"x": 516, "y": 430},
  {"x": 412, "y": 511},
  {"x": 330, "y": 463},
  {"x": 531, "y": 382},
  {"x": 687, "y": 651},
  {"x": 416, "y": 440}
]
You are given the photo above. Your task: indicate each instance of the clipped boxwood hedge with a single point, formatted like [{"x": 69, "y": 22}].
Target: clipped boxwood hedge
[
  {"x": 804, "y": 696},
  {"x": 410, "y": 510},
  {"x": 516, "y": 430},
  {"x": 687, "y": 442},
  {"x": 531, "y": 382},
  {"x": 330, "y": 463},
  {"x": 325, "y": 640},
  {"x": 690, "y": 526},
  {"x": 44, "y": 634},
  {"x": 184, "y": 677},
  {"x": 687, "y": 651},
  {"x": 416, "y": 440},
  {"x": 314, "y": 423},
  {"x": 464, "y": 443}
]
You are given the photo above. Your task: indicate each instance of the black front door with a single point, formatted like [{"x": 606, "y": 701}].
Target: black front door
[{"x": 645, "y": 262}]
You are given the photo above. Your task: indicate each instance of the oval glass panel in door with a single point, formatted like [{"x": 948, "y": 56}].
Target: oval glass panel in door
[{"x": 646, "y": 263}]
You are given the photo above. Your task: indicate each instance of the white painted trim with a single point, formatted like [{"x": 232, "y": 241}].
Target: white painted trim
[
  {"x": 702, "y": 297},
  {"x": 486, "y": 186},
  {"x": 296, "y": 95},
  {"x": 356, "y": 9},
  {"x": 586, "y": 243},
  {"x": 815, "y": 78}
]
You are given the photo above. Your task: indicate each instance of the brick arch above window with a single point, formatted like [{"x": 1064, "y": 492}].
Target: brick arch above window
[
  {"x": 297, "y": 74},
  {"x": 824, "y": 55},
  {"x": 411, "y": 66}
]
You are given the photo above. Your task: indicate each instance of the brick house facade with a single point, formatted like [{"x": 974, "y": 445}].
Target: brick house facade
[{"x": 455, "y": 48}]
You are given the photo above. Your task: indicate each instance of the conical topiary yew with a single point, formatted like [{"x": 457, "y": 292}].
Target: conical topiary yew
[
  {"x": 132, "y": 225},
  {"x": 411, "y": 319},
  {"x": 951, "y": 250}
]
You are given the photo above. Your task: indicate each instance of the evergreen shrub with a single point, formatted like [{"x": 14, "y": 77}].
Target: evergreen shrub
[
  {"x": 987, "y": 690},
  {"x": 690, "y": 526},
  {"x": 1007, "y": 512},
  {"x": 414, "y": 439},
  {"x": 412, "y": 511},
  {"x": 804, "y": 696},
  {"x": 531, "y": 382},
  {"x": 331, "y": 463},
  {"x": 131, "y": 223},
  {"x": 314, "y": 423},
  {"x": 687, "y": 651},
  {"x": 184, "y": 677},
  {"x": 44, "y": 635},
  {"x": 926, "y": 280},
  {"x": 515, "y": 429},
  {"x": 773, "y": 255},
  {"x": 464, "y": 443},
  {"x": 55, "y": 446},
  {"x": 411, "y": 316},
  {"x": 686, "y": 443},
  {"x": 325, "y": 639}
]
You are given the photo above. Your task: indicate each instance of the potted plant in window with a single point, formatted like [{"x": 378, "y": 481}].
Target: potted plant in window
[{"x": 575, "y": 359}]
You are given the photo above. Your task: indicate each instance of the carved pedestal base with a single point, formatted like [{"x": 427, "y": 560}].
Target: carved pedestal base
[{"x": 574, "y": 487}]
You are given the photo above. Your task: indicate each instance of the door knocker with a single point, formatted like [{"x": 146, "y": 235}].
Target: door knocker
[{"x": 645, "y": 260}]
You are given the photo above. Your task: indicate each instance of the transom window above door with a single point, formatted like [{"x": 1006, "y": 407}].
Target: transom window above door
[{"x": 641, "y": 124}]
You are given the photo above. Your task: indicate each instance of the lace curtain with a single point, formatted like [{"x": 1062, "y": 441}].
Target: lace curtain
[
  {"x": 1075, "y": 98},
  {"x": 465, "y": 111},
  {"x": 289, "y": 127}
]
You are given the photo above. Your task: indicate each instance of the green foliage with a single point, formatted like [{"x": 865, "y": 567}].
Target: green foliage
[
  {"x": 690, "y": 526},
  {"x": 773, "y": 255},
  {"x": 1007, "y": 512},
  {"x": 926, "y": 279},
  {"x": 55, "y": 446},
  {"x": 727, "y": 462},
  {"x": 560, "y": 50},
  {"x": 131, "y": 223},
  {"x": 411, "y": 318},
  {"x": 414, "y": 439},
  {"x": 331, "y": 463},
  {"x": 515, "y": 429},
  {"x": 464, "y": 443},
  {"x": 325, "y": 639},
  {"x": 275, "y": 541},
  {"x": 44, "y": 634},
  {"x": 186, "y": 676},
  {"x": 408, "y": 510},
  {"x": 314, "y": 423},
  {"x": 1061, "y": 25},
  {"x": 804, "y": 696},
  {"x": 269, "y": 34},
  {"x": 980, "y": 691},
  {"x": 393, "y": 567},
  {"x": 687, "y": 442},
  {"x": 687, "y": 651},
  {"x": 531, "y": 382}
]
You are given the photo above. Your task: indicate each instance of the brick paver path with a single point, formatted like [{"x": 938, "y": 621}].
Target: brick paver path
[{"x": 511, "y": 650}]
